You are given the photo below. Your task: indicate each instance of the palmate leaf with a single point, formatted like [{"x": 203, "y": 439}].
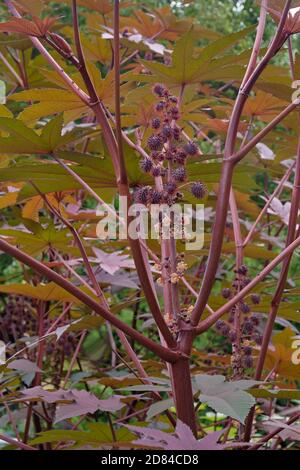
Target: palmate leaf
[
  {"x": 186, "y": 69},
  {"x": 36, "y": 27},
  {"x": 228, "y": 398},
  {"x": 51, "y": 101},
  {"x": 45, "y": 292},
  {"x": 23, "y": 140},
  {"x": 49, "y": 177},
  {"x": 97, "y": 434},
  {"x": 80, "y": 402},
  {"x": 182, "y": 439},
  {"x": 280, "y": 355}
]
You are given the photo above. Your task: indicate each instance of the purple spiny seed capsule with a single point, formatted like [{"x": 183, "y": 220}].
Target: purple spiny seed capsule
[
  {"x": 156, "y": 197},
  {"x": 248, "y": 327},
  {"x": 154, "y": 142},
  {"x": 258, "y": 339},
  {"x": 247, "y": 350},
  {"x": 174, "y": 111},
  {"x": 255, "y": 320},
  {"x": 146, "y": 165},
  {"x": 219, "y": 325},
  {"x": 158, "y": 89},
  {"x": 243, "y": 270},
  {"x": 176, "y": 133},
  {"x": 155, "y": 155},
  {"x": 226, "y": 293},
  {"x": 225, "y": 330},
  {"x": 198, "y": 190},
  {"x": 169, "y": 155},
  {"x": 191, "y": 148},
  {"x": 179, "y": 174},
  {"x": 155, "y": 123},
  {"x": 245, "y": 308},
  {"x": 173, "y": 99},
  {"x": 170, "y": 187},
  {"x": 167, "y": 131},
  {"x": 160, "y": 106},
  {"x": 142, "y": 195},
  {"x": 255, "y": 299},
  {"x": 248, "y": 362},
  {"x": 156, "y": 171},
  {"x": 180, "y": 157}
]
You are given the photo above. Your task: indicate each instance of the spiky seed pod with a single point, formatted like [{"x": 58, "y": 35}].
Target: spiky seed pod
[
  {"x": 258, "y": 338},
  {"x": 160, "y": 106},
  {"x": 156, "y": 197},
  {"x": 225, "y": 330},
  {"x": 173, "y": 99},
  {"x": 156, "y": 171},
  {"x": 191, "y": 148},
  {"x": 169, "y": 155},
  {"x": 247, "y": 350},
  {"x": 226, "y": 293},
  {"x": 219, "y": 325},
  {"x": 61, "y": 43},
  {"x": 180, "y": 157},
  {"x": 245, "y": 308},
  {"x": 174, "y": 111},
  {"x": 255, "y": 320},
  {"x": 176, "y": 132},
  {"x": 142, "y": 195},
  {"x": 155, "y": 123},
  {"x": 246, "y": 281},
  {"x": 155, "y": 155},
  {"x": 243, "y": 270},
  {"x": 179, "y": 174},
  {"x": 248, "y": 327},
  {"x": 154, "y": 142},
  {"x": 167, "y": 131},
  {"x": 158, "y": 89},
  {"x": 198, "y": 190},
  {"x": 163, "y": 138},
  {"x": 248, "y": 362},
  {"x": 170, "y": 187},
  {"x": 146, "y": 165},
  {"x": 255, "y": 299}
]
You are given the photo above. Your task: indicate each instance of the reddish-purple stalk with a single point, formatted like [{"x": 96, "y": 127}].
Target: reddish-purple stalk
[
  {"x": 164, "y": 353},
  {"x": 179, "y": 359},
  {"x": 228, "y": 167},
  {"x": 277, "y": 298}
]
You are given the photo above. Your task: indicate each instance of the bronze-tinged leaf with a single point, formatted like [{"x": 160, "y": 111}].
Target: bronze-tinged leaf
[{"x": 37, "y": 27}]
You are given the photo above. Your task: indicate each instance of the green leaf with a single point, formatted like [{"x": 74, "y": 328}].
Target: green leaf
[
  {"x": 159, "y": 407},
  {"x": 285, "y": 394},
  {"x": 228, "y": 398},
  {"x": 2, "y": 92},
  {"x": 45, "y": 292},
  {"x": 51, "y": 133},
  {"x": 186, "y": 69},
  {"x": 21, "y": 139}
]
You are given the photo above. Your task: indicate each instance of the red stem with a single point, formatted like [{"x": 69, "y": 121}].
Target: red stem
[{"x": 162, "y": 352}]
